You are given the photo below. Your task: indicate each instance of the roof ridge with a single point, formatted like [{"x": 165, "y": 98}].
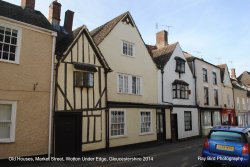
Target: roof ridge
[{"x": 100, "y": 33}]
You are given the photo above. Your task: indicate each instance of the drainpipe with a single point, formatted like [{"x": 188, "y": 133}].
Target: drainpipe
[
  {"x": 195, "y": 96},
  {"x": 54, "y": 35},
  {"x": 107, "y": 111}
]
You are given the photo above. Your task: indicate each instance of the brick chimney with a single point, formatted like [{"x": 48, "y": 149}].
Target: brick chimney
[
  {"x": 55, "y": 13},
  {"x": 233, "y": 74},
  {"x": 161, "y": 39},
  {"x": 30, "y": 4},
  {"x": 68, "y": 20}
]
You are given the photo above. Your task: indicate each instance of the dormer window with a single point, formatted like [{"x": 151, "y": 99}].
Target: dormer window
[{"x": 180, "y": 65}]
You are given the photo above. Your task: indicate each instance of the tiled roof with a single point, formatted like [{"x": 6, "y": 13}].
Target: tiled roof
[
  {"x": 100, "y": 33},
  {"x": 162, "y": 55},
  {"x": 26, "y": 15},
  {"x": 245, "y": 78}
]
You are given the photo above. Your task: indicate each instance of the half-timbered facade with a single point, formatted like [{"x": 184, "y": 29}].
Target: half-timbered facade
[
  {"x": 134, "y": 115},
  {"x": 80, "y": 92}
]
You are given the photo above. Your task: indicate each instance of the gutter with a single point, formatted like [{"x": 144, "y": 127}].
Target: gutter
[
  {"x": 30, "y": 26},
  {"x": 54, "y": 35}
]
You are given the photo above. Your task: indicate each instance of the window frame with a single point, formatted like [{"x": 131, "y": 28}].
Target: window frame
[
  {"x": 180, "y": 66},
  {"x": 188, "y": 121},
  {"x": 125, "y": 123},
  {"x": 206, "y": 98},
  {"x": 208, "y": 115},
  {"x": 177, "y": 90},
  {"x": 140, "y": 121},
  {"x": 84, "y": 75},
  {"x": 131, "y": 46},
  {"x": 13, "y": 122},
  {"x": 205, "y": 75},
  {"x": 131, "y": 89},
  {"x": 18, "y": 43},
  {"x": 216, "y": 97},
  {"x": 215, "y": 78}
]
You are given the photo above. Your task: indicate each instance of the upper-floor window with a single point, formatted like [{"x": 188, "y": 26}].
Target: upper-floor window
[
  {"x": 84, "y": 79},
  {"x": 238, "y": 103},
  {"x": 128, "y": 49},
  {"x": 7, "y": 121},
  {"x": 180, "y": 90},
  {"x": 214, "y": 78},
  {"x": 243, "y": 104},
  {"x": 216, "y": 99},
  {"x": 129, "y": 84},
  {"x": 180, "y": 65},
  {"x": 206, "y": 96},
  {"x": 204, "y": 71},
  {"x": 228, "y": 100},
  {"x": 9, "y": 45}
]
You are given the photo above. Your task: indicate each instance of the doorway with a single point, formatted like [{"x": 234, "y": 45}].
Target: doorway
[
  {"x": 174, "y": 127},
  {"x": 160, "y": 124},
  {"x": 68, "y": 134}
]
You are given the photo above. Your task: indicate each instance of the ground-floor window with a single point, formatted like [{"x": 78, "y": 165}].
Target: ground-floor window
[
  {"x": 117, "y": 123},
  {"x": 7, "y": 121},
  {"x": 207, "y": 118},
  {"x": 242, "y": 120},
  {"x": 188, "y": 120},
  {"x": 145, "y": 122},
  {"x": 216, "y": 118}
]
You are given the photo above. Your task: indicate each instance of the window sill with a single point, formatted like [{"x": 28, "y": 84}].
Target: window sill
[
  {"x": 11, "y": 62},
  {"x": 118, "y": 137},
  {"x": 144, "y": 134},
  {"x": 128, "y": 56},
  {"x": 7, "y": 141},
  {"x": 129, "y": 94}
]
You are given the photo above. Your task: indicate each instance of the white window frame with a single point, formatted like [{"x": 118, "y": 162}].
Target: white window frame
[
  {"x": 133, "y": 49},
  {"x": 13, "y": 122},
  {"x": 207, "y": 118},
  {"x": 243, "y": 104},
  {"x": 129, "y": 89},
  {"x": 238, "y": 103},
  {"x": 125, "y": 123},
  {"x": 145, "y": 133},
  {"x": 18, "y": 46}
]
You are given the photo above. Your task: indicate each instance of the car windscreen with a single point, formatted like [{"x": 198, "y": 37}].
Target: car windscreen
[{"x": 227, "y": 136}]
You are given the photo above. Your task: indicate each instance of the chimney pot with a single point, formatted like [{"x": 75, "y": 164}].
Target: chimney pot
[
  {"x": 233, "y": 74},
  {"x": 68, "y": 20},
  {"x": 161, "y": 39},
  {"x": 30, "y": 4},
  {"x": 55, "y": 13}
]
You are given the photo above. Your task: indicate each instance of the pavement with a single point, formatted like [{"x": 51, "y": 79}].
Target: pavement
[{"x": 162, "y": 154}]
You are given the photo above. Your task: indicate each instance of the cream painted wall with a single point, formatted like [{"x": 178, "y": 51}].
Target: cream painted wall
[
  {"x": 241, "y": 94},
  {"x": 132, "y": 124},
  {"x": 227, "y": 91},
  {"x": 199, "y": 65},
  {"x": 168, "y": 123},
  {"x": 181, "y": 124},
  {"x": 140, "y": 65},
  {"x": 17, "y": 83}
]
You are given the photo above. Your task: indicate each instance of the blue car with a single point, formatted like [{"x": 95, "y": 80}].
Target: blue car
[{"x": 227, "y": 145}]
